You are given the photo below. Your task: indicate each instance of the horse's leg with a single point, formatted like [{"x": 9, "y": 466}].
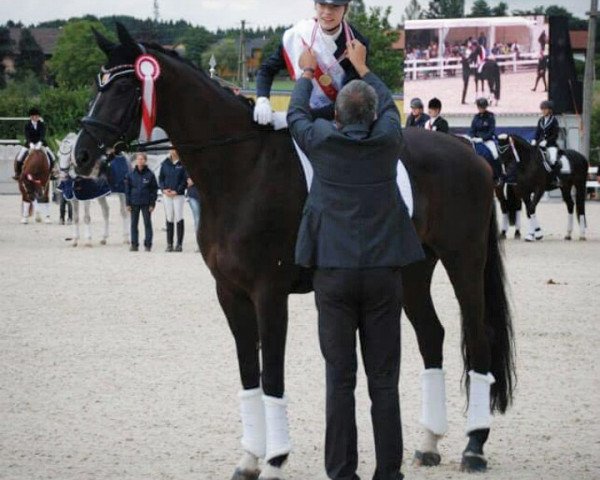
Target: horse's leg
[
  {"x": 499, "y": 190},
  {"x": 125, "y": 218},
  {"x": 241, "y": 316},
  {"x": 272, "y": 314},
  {"x": 87, "y": 220},
  {"x": 25, "y": 212},
  {"x": 46, "y": 210},
  {"x": 580, "y": 193},
  {"x": 565, "y": 190},
  {"x": 105, "y": 213},
  {"x": 416, "y": 281},
  {"x": 75, "y": 204},
  {"x": 36, "y": 211},
  {"x": 466, "y": 272},
  {"x": 535, "y": 231},
  {"x": 538, "y": 234}
]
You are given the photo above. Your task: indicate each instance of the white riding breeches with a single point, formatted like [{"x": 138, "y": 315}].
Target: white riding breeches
[
  {"x": 174, "y": 207},
  {"x": 24, "y": 150},
  {"x": 491, "y": 145},
  {"x": 552, "y": 153}
]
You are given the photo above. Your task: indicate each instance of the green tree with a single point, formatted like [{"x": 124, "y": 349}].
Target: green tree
[
  {"x": 357, "y": 7},
  {"x": 77, "y": 58},
  {"x": 384, "y": 60},
  {"x": 31, "y": 57},
  {"x": 196, "y": 41},
  {"x": 480, "y": 8},
  {"x": 413, "y": 11},
  {"x": 226, "y": 53},
  {"x": 446, "y": 9},
  {"x": 500, "y": 10}
]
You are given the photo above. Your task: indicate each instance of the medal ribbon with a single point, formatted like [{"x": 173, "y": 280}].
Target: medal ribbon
[{"x": 147, "y": 70}]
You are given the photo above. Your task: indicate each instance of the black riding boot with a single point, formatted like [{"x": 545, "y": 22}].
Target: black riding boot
[
  {"x": 170, "y": 232},
  {"x": 18, "y": 168},
  {"x": 180, "y": 230}
]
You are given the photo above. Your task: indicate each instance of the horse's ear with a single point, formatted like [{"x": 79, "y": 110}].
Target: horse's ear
[
  {"x": 124, "y": 37},
  {"x": 104, "y": 43}
]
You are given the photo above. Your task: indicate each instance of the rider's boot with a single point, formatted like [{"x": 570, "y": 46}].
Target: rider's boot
[{"x": 18, "y": 166}]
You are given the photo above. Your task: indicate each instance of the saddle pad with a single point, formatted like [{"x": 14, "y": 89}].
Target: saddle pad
[{"x": 83, "y": 189}]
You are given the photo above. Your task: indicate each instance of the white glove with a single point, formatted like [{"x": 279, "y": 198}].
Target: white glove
[
  {"x": 543, "y": 143},
  {"x": 263, "y": 113},
  {"x": 477, "y": 140},
  {"x": 38, "y": 145},
  {"x": 534, "y": 142},
  {"x": 31, "y": 145}
]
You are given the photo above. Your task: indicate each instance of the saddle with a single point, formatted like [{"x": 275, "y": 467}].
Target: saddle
[{"x": 563, "y": 164}]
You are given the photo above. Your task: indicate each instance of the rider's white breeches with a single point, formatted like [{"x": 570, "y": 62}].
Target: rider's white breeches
[
  {"x": 24, "y": 150},
  {"x": 174, "y": 207},
  {"x": 552, "y": 155},
  {"x": 491, "y": 145}
]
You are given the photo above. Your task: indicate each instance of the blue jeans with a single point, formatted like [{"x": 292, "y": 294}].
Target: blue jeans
[
  {"x": 135, "y": 218},
  {"x": 195, "y": 206}
]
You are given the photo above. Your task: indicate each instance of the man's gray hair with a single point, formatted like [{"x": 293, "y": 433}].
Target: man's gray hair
[{"x": 356, "y": 104}]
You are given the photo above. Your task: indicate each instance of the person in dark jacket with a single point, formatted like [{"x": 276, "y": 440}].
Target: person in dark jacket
[
  {"x": 436, "y": 122},
  {"x": 546, "y": 135},
  {"x": 140, "y": 193},
  {"x": 356, "y": 233},
  {"x": 542, "y": 66},
  {"x": 483, "y": 130},
  {"x": 417, "y": 117},
  {"x": 172, "y": 180},
  {"x": 193, "y": 196},
  {"x": 35, "y": 137},
  {"x": 329, "y": 29}
]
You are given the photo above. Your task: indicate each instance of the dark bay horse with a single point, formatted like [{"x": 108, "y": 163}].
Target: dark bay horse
[
  {"x": 34, "y": 185},
  {"x": 252, "y": 192},
  {"x": 533, "y": 180},
  {"x": 489, "y": 71}
]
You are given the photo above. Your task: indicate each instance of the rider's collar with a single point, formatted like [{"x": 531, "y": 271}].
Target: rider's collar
[{"x": 334, "y": 35}]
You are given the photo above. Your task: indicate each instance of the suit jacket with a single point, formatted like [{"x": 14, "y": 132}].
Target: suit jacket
[
  {"x": 411, "y": 121},
  {"x": 354, "y": 216},
  {"x": 276, "y": 63},
  {"x": 547, "y": 129},
  {"x": 440, "y": 125},
  {"x": 35, "y": 135},
  {"x": 483, "y": 126}
]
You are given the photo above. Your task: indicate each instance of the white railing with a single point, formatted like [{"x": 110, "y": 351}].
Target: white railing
[{"x": 442, "y": 66}]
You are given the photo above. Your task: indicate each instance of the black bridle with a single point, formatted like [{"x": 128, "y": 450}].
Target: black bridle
[{"x": 91, "y": 125}]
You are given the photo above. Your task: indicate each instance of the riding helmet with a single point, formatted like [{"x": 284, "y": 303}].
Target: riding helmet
[
  {"x": 482, "y": 102},
  {"x": 416, "y": 103},
  {"x": 549, "y": 104},
  {"x": 435, "y": 104},
  {"x": 34, "y": 111},
  {"x": 333, "y": 2}
]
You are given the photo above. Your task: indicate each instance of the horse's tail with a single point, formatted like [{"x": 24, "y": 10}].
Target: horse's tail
[
  {"x": 513, "y": 204},
  {"x": 498, "y": 323}
]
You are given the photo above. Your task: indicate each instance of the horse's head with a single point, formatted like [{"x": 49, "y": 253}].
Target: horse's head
[
  {"x": 114, "y": 117},
  {"x": 35, "y": 175}
]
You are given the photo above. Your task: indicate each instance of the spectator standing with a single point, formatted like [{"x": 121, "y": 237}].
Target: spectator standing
[
  {"x": 194, "y": 200},
  {"x": 172, "y": 181},
  {"x": 140, "y": 193}
]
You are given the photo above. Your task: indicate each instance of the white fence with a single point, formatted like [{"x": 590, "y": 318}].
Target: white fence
[{"x": 451, "y": 66}]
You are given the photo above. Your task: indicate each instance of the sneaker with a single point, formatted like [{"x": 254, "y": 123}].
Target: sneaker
[
  {"x": 179, "y": 248},
  {"x": 133, "y": 248},
  {"x": 169, "y": 248}
]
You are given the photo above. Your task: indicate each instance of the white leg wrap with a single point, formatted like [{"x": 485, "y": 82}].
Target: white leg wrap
[
  {"x": 253, "y": 422},
  {"x": 569, "y": 223},
  {"x": 505, "y": 222},
  {"x": 479, "y": 415},
  {"x": 26, "y": 209},
  {"x": 248, "y": 463},
  {"x": 278, "y": 435},
  {"x": 491, "y": 145},
  {"x": 433, "y": 407},
  {"x": 582, "y": 225},
  {"x": 430, "y": 442},
  {"x": 518, "y": 221}
]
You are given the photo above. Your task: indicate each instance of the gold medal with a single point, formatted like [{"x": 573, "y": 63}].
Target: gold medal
[{"x": 325, "y": 80}]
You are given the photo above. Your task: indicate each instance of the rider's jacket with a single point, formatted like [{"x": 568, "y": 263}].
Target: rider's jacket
[
  {"x": 547, "y": 129},
  {"x": 276, "y": 63},
  {"x": 35, "y": 133},
  {"x": 483, "y": 126},
  {"x": 172, "y": 176},
  {"x": 412, "y": 121}
]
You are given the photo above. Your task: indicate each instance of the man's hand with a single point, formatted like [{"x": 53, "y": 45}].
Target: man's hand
[
  {"x": 308, "y": 59},
  {"x": 357, "y": 54}
]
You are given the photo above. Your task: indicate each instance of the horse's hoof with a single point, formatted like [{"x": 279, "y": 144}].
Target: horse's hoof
[
  {"x": 245, "y": 474},
  {"x": 103, "y": 241},
  {"x": 426, "y": 459},
  {"x": 517, "y": 235},
  {"x": 502, "y": 235},
  {"x": 539, "y": 237},
  {"x": 473, "y": 463},
  {"x": 529, "y": 238},
  {"x": 582, "y": 239},
  {"x": 568, "y": 237}
]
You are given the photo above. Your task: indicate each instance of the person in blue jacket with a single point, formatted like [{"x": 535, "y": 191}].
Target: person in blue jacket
[
  {"x": 141, "y": 191},
  {"x": 172, "y": 180},
  {"x": 483, "y": 130}
]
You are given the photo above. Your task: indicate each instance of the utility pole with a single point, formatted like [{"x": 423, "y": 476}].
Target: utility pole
[
  {"x": 156, "y": 11},
  {"x": 588, "y": 81},
  {"x": 242, "y": 67}
]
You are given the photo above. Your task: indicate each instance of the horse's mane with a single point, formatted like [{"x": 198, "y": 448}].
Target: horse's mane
[
  {"x": 247, "y": 102},
  {"x": 520, "y": 141}
]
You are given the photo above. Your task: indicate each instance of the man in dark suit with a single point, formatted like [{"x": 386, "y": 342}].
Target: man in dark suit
[{"x": 356, "y": 233}]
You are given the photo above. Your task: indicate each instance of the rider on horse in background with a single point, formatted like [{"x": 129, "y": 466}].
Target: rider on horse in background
[
  {"x": 546, "y": 136},
  {"x": 328, "y": 33},
  {"x": 436, "y": 122},
  {"x": 416, "y": 117},
  {"x": 483, "y": 130},
  {"x": 35, "y": 137}
]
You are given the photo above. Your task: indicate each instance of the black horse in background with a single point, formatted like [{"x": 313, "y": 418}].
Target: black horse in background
[
  {"x": 489, "y": 71},
  {"x": 510, "y": 206},
  {"x": 252, "y": 192},
  {"x": 534, "y": 179}
]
